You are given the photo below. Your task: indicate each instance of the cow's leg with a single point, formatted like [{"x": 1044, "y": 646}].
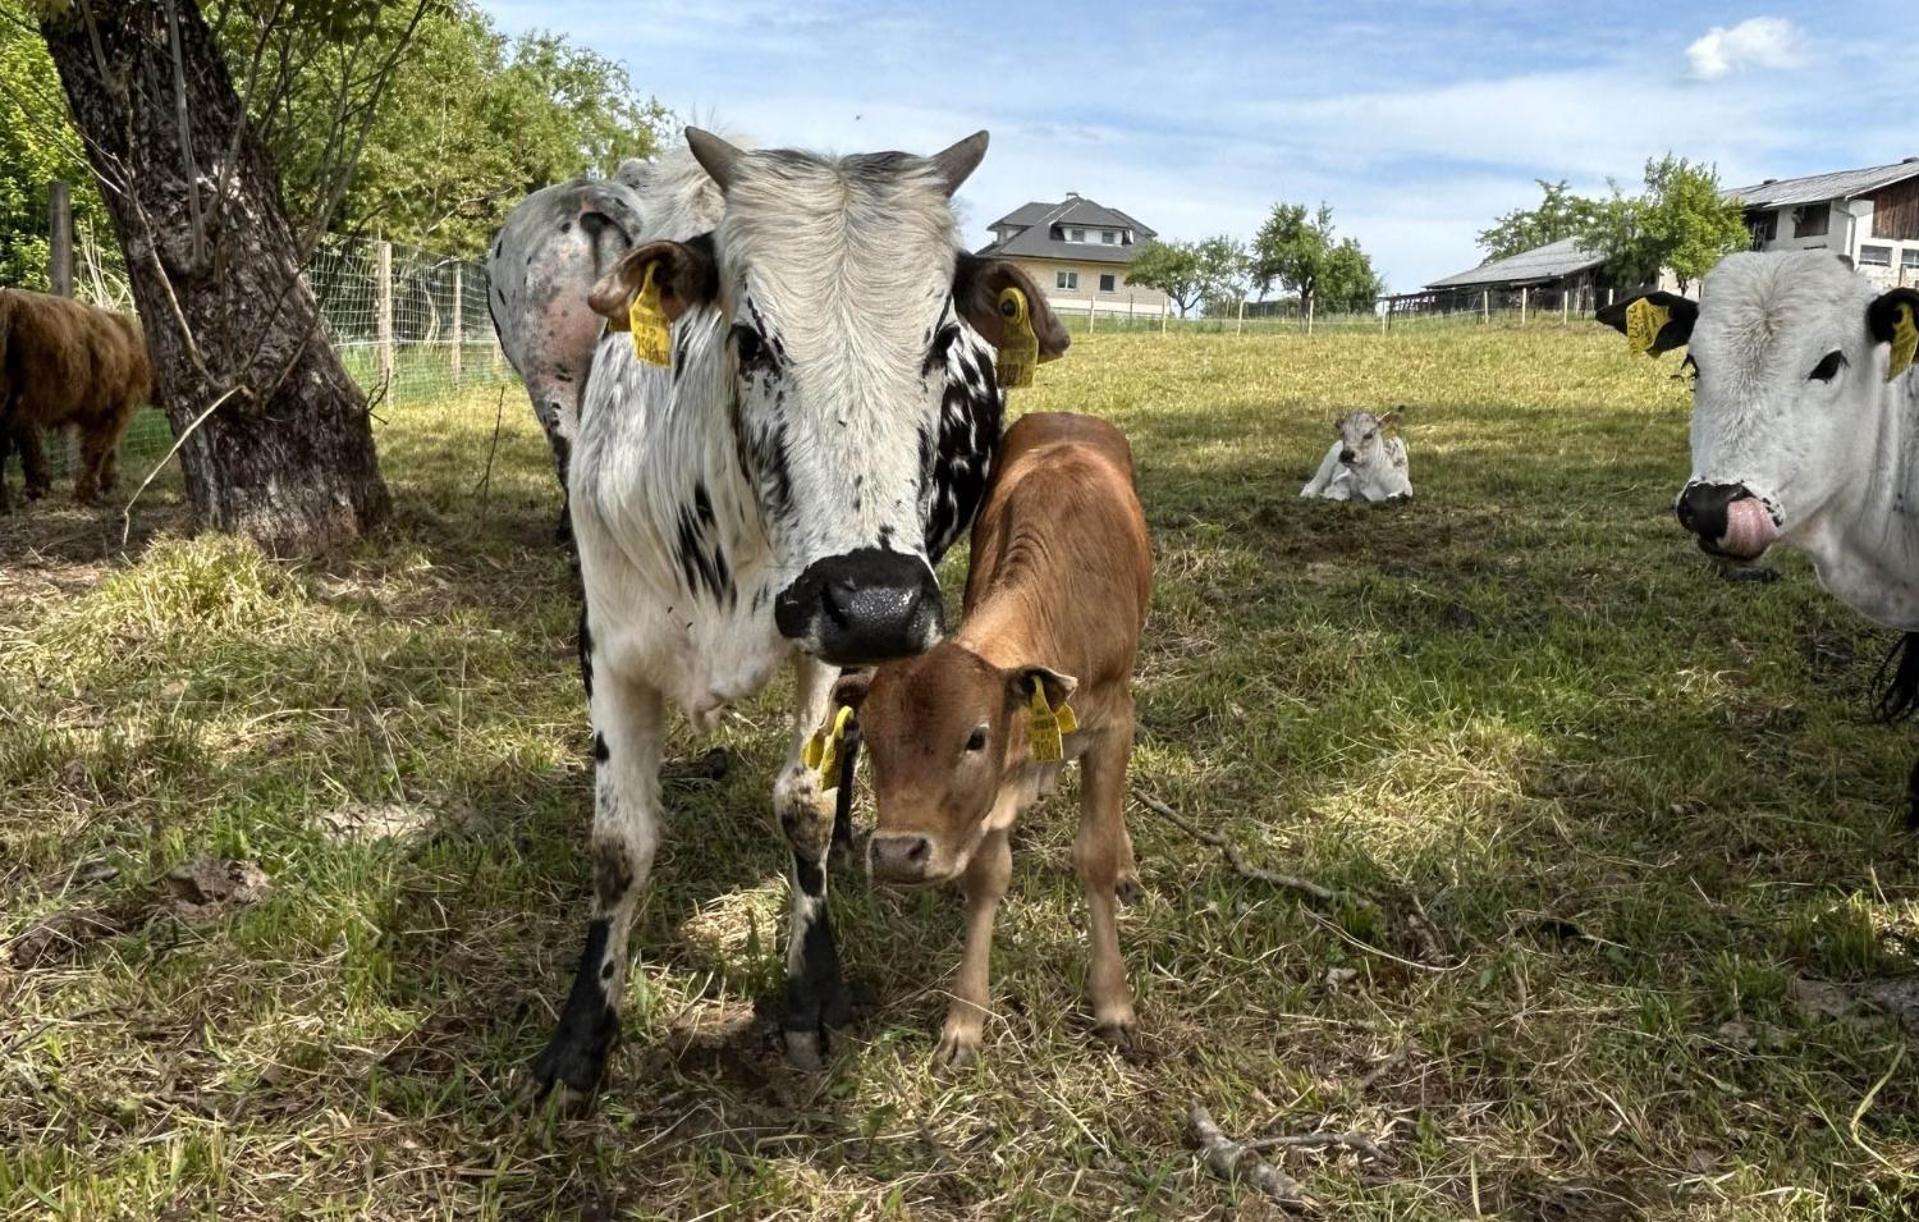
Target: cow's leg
[
  {"x": 628, "y": 726},
  {"x": 815, "y": 995},
  {"x": 985, "y": 883},
  {"x": 6, "y": 447},
  {"x": 33, "y": 457},
  {"x": 1103, "y": 853},
  {"x": 96, "y": 464},
  {"x": 555, "y": 404}
]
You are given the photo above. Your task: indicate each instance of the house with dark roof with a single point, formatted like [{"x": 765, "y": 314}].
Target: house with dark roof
[
  {"x": 1077, "y": 251},
  {"x": 1870, "y": 215}
]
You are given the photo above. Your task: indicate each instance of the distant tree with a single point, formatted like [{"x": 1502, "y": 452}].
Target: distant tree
[
  {"x": 1687, "y": 222},
  {"x": 1560, "y": 214},
  {"x": 1223, "y": 271},
  {"x": 1171, "y": 267},
  {"x": 1296, "y": 250}
]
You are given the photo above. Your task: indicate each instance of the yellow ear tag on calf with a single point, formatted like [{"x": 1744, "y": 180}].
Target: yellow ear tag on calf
[
  {"x": 1644, "y": 322},
  {"x": 646, "y": 319},
  {"x": 1905, "y": 341},
  {"x": 822, "y": 752},
  {"x": 1018, "y": 346},
  {"x": 1045, "y": 725}
]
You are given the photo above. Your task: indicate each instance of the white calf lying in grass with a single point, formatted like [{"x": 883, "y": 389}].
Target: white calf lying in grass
[{"x": 1364, "y": 464}]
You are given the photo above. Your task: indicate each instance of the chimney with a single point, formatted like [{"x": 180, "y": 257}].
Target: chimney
[
  {"x": 1072, "y": 195},
  {"x": 1908, "y": 160},
  {"x": 1768, "y": 182}
]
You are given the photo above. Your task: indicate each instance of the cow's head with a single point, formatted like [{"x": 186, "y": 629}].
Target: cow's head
[
  {"x": 859, "y": 373},
  {"x": 1362, "y": 437},
  {"x": 1789, "y": 354},
  {"x": 943, "y": 731}
]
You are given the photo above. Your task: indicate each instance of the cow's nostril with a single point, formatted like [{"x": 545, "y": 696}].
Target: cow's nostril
[
  {"x": 899, "y": 857},
  {"x": 1346, "y": 456}
]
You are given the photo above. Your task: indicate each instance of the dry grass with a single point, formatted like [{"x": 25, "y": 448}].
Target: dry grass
[{"x": 1643, "y": 809}]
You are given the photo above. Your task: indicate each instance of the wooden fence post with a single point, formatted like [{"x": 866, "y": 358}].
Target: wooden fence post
[
  {"x": 1239, "y": 324},
  {"x": 1165, "y": 312},
  {"x": 60, "y": 238},
  {"x": 459, "y": 331},
  {"x": 383, "y": 311},
  {"x": 1091, "y": 304},
  {"x": 1486, "y": 306},
  {"x": 1565, "y": 306},
  {"x": 1522, "y": 305},
  {"x": 1309, "y": 314}
]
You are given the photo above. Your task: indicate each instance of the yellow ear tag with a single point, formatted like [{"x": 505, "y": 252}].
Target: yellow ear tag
[
  {"x": 1644, "y": 322},
  {"x": 646, "y": 319},
  {"x": 1905, "y": 341},
  {"x": 822, "y": 753},
  {"x": 1018, "y": 346},
  {"x": 1045, "y": 725}
]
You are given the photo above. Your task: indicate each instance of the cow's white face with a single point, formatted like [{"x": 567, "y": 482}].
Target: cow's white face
[
  {"x": 1789, "y": 397},
  {"x": 859, "y": 375},
  {"x": 1362, "y": 438}
]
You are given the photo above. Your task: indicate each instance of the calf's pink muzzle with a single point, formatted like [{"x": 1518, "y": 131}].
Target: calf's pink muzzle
[{"x": 1727, "y": 519}]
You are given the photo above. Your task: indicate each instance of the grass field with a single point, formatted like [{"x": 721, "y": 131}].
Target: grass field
[{"x": 1656, "y": 841}]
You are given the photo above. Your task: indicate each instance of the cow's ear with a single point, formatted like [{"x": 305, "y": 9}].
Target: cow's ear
[
  {"x": 1057, "y": 687},
  {"x": 1389, "y": 421},
  {"x": 1653, "y": 322},
  {"x": 850, "y": 690},
  {"x": 686, "y": 274},
  {"x": 977, "y": 284},
  {"x": 1893, "y": 318}
]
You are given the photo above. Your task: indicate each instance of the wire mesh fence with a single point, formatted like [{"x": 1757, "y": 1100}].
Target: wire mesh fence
[
  {"x": 1517, "y": 305},
  {"x": 411, "y": 327}
]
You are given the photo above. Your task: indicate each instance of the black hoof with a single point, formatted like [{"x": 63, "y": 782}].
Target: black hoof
[
  {"x": 571, "y": 1068},
  {"x": 1128, "y": 892}
]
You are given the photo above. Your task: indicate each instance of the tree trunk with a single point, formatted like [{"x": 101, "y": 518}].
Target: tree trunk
[{"x": 288, "y": 457}]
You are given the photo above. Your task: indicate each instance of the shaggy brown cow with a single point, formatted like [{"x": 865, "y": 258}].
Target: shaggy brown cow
[
  {"x": 64, "y": 363},
  {"x": 968, "y": 734}
]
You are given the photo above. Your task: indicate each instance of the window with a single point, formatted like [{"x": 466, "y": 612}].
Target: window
[
  {"x": 1066, "y": 280},
  {"x": 1811, "y": 221},
  {"x": 1109, "y": 283},
  {"x": 1875, "y": 256},
  {"x": 1075, "y": 235},
  {"x": 1909, "y": 259},
  {"x": 1764, "y": 227},
  {"x": 1109, "y": 236}
]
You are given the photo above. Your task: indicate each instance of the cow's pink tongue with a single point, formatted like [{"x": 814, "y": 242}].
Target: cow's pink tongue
[{"x": 1749, "y": 528}]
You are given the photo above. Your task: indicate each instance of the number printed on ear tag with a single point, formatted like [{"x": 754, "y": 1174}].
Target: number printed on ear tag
[
  {"x": 1018, "y": 346},
  {"x": 1905, "y": 341},
  {"x": 646, "y": 319},
  {"x": 1644, "y": 322}
]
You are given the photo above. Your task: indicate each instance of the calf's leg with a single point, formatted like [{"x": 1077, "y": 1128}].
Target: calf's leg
[
  {"x": 33, "y": 457},
  {"x": 1103, "y": 853},
  {"x": 628, "y": 726},
  {"x": 985, "y": 882},
  {"x": 815, "y": 995}
]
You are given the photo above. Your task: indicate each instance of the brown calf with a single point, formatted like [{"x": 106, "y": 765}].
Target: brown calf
[
  {"x": 1061, "y": 573},
  {"x": 64, "y": 363}
]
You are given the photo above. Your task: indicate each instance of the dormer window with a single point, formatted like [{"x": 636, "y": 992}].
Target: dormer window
[
  {"x": 1109, "y": 237},
  {"x": 1075, "y": 235}
]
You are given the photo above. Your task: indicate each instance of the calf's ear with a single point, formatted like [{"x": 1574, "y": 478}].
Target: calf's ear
[
  {"x": 1389, "y": 421},
  {"x": 685, "y": 273},
  {"x": 850, "y": 690},
  {"x": 977, "y": 285},
  {"x": 1893, "y": 318},
  {"x": 1653, "y": 322},
  {"x": 1058, "y": 688}
]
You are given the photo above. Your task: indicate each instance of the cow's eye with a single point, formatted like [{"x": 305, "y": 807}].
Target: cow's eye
[
  {"x": 1368, "y": 437},
  {"x": 1828, "y": 367},
  {"x": 976, "y": 741},
  {"x": 747, "y": 340}
]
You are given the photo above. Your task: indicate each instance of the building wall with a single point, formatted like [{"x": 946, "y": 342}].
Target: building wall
[
  {"x": 1850, "y": 231},
  {"x": 1124, "y": 296}
]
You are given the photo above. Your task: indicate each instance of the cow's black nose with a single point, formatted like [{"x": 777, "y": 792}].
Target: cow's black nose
[
  {"x": 898, "y": 857},
  {"x": 862, "y": 607},
  {"x": 1702, "y": 508},
  {"x": 1347, "y": 456}
]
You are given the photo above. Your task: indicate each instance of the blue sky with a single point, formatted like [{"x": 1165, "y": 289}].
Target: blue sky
[{"x": 1418, "y": 122}]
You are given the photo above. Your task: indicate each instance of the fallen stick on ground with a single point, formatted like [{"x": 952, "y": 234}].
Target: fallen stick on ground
[
  {"x": 1234, "y": 1161},
  {"x": 1358, "y": 1143},
  {"x": 1385, "y": 1065},
  {"x": 1245, "y": 869}
]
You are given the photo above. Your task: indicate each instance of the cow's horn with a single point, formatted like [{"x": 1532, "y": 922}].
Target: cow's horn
[
  {"x": 718, "y": 157},
  {"x": 957, "y": 161}
]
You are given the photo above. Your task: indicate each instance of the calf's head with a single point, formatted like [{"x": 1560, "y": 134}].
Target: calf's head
[
  {"x": 943, "y": 732},
  {"x": 858, "y": 372},
  {"x": 1790, "y": 354},
  {"x": 1362, "y": 437}
]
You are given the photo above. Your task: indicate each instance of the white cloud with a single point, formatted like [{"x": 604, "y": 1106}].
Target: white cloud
[{"x": 1760, "y": 42}]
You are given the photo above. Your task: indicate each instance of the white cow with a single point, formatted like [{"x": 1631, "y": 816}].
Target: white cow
[
  {"x": 1805, "y": 426},
  {"x": 777, "y": 490},
  {"x": 1367, "y": 462}
]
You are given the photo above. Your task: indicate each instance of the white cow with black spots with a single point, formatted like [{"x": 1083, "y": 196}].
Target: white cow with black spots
[{"x": 777, "y": 492}]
